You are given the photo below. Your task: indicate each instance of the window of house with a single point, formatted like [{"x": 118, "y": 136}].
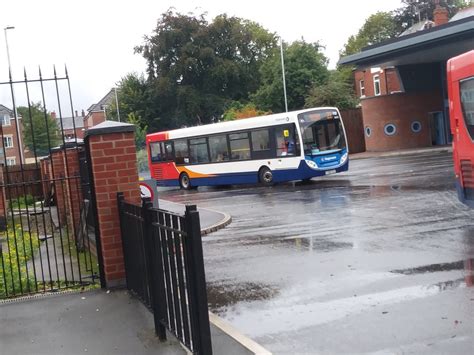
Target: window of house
[
  {"x": 239, "y": 146},
  {"x": 8, "y": 141},
  {"x": 218, "y": 148},
  {"x": 390, "y": 129},
  {"x": 6, "y": 120},
  {"x": 376, "y": 85},
  {"x": 198, "y": 151},
  {"x": 11, "y": 161},
  {"x": 362, "y": 88}
]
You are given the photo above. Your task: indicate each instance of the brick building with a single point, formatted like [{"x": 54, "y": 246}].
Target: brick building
[
  {"x": 402, "y": 82},
  {"x": 73, "y": 127},
  {"x": 97, "y": 113},
  {"x": 10, "y": 152}
]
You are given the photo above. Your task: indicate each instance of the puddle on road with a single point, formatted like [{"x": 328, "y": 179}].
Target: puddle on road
[
  {"x": 300, "y": 243},
  {"x": 468, "y": 281},
  {"x": 222, "y": 295},
  {"x": 457, "y": 265}
]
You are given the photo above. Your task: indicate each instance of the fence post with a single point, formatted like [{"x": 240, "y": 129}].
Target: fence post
[
  {"x": 154, "y": 269},
  {"x": 197, "y": 283}
]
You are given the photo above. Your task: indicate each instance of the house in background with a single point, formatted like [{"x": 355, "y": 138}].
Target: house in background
[
  {"x": 96, "y": 113},
  {"x": 402, "y": 82},
  {"x": 73, "y": 127},
  {"x": 10, "y": 152}
]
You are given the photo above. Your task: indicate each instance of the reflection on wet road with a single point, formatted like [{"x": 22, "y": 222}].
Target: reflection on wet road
[{"x": 379, "y": 259}]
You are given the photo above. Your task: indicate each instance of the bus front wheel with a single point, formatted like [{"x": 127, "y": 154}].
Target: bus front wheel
[
  {"x": 184, "y": 181},
  {"x": 265, "y": 176}
]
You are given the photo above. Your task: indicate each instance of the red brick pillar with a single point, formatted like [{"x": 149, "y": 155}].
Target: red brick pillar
[
  {"x": 114, "y": 169},
  {"x": 46, "y": 176},
  {"x": 73, "y": 188},
  {"x": 3, "y": 202},
  {"x": 58, "y": 169}
]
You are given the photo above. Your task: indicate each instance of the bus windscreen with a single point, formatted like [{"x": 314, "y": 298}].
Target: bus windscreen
[{"x": 322, "y": 132}]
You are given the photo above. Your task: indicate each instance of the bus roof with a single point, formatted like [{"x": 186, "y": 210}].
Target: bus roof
[{"x": 241, "y": 124}]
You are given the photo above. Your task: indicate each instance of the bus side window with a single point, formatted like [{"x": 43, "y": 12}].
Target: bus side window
[
  {"x": 198, "y": 151},
  {"x": 466, "y": 89},
  {"x": 155, "y": 152},
  {"x": 218, "y": 148},
  {"x": 286, "y": 140},
  {"x": 168, "y": 151},
  {"x": 181, "y": 151},
  {"x": 239, "y": 146},
  {"x": 260, "y": 140}
]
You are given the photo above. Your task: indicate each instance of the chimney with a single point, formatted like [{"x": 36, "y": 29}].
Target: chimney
[
  {"x": 440, "y": 15},
  {"x": 75, "y": 115},
  {"x": 83, "y": 113},
  {"x": 53, "y": 115}
]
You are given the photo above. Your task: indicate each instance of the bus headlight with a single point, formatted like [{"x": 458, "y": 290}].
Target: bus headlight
[
  {"x": 344, "y": 158},
  {"x": 311, "y": 164}
]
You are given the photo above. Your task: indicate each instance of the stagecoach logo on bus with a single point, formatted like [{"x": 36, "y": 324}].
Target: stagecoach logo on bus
[{"x": 282, "y": 147}]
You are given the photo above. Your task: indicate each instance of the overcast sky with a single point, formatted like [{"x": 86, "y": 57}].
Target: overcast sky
[{"x": 95, "y": 39}]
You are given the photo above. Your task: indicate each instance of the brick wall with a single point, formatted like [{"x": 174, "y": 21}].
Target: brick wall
[
  {"x": 401, "y": 110},
  {"x": 389, "y": 81}
]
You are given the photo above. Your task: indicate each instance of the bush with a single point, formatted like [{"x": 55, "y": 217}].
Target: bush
[
  {"x": 22, "y": 202},
  {"x": 20, "y": 248}
]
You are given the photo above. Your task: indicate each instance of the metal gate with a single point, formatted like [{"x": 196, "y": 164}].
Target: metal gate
[{"x": 46, "y": 243}]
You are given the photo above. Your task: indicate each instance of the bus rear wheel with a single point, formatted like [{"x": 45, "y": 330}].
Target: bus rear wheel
[
  {"x": 184, "y": 181},
  {"x": 265, "y": 176}
]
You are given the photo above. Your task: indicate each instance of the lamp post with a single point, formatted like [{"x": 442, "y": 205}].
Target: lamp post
[
  {"x": 17, "y": 121},
  {"x": 116, "y": 104},
  {"x": 283, "y": 74}
]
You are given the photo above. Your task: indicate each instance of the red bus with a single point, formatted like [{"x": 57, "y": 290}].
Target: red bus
[{"x": 460, "y": 71}]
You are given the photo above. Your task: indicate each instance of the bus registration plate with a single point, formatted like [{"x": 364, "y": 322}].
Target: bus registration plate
[{"x": 329, "y": 172}]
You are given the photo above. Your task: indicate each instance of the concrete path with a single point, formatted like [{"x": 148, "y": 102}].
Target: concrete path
[
  {"x": 211, "y": 220},
  {"x": 97, "y": 322}
]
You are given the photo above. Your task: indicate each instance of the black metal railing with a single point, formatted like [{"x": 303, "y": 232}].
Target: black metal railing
[{"x": 164, "y": 267}]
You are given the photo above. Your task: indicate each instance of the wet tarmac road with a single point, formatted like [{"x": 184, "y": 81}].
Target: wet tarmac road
[{"x": 376, "y": 260}]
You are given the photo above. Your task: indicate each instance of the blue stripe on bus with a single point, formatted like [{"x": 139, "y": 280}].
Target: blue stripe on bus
[
  {"x": 465, "y": 194},
  {"x": 301, "y": 173}
]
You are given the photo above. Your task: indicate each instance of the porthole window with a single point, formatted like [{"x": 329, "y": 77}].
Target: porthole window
[
  {"x": 390, "y": 129},
  {"x": 416, "y": 126},
  {"x": 368, "y": 131}
]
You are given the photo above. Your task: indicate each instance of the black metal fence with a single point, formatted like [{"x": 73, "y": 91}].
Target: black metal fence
[
  {"x": 165, "y": 268},
  {"x": 43, "y": 245}
]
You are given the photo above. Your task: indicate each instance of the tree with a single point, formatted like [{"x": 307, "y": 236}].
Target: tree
[
  {"x": 40, "y": 130},
  {"x": 196, "y": 68},
  {"x": 140, "y": 130},
  {"x": 238, "y": 111},
  {"x": 305, "y": 66},
  {"x": 335, "y": 92},
  {"x": 377, "y": 28},
  {"x": 414, "y": 11}
]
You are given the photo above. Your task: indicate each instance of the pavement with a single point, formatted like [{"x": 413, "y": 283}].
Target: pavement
[
  {"x": 402, "y": 152},
  {"x": 211, "y": 220},
  {"x": 98, "y": 322}
]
